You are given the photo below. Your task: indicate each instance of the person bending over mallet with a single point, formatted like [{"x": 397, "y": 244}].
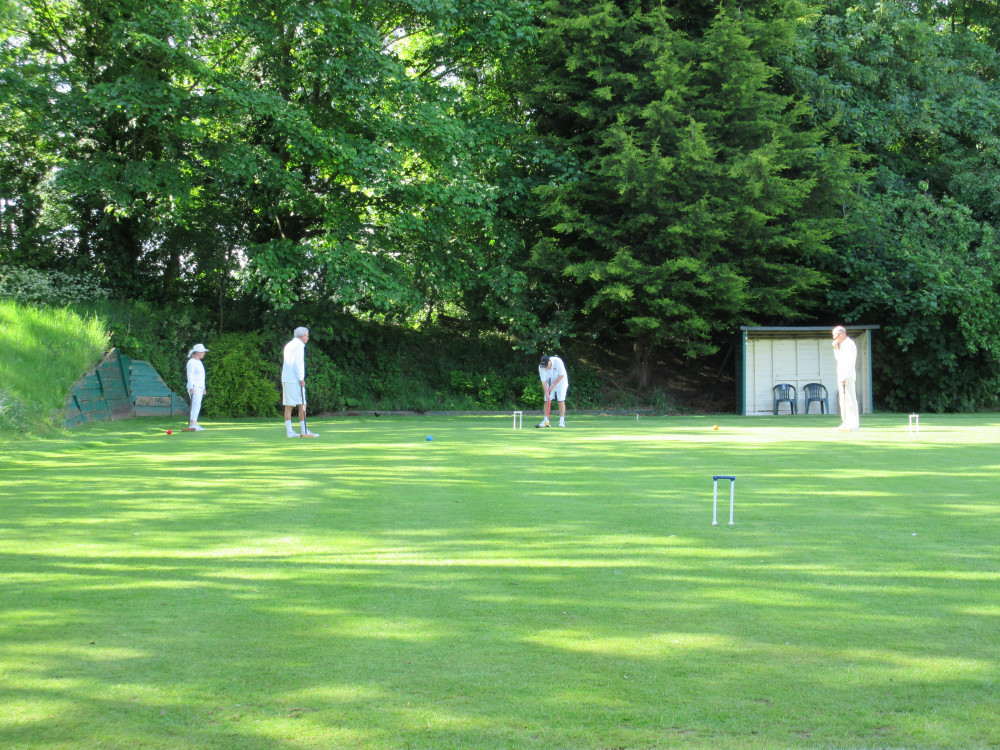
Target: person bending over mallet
[
  {"x": 555, "y": 382},
  {"x": 293, "y": 382}
]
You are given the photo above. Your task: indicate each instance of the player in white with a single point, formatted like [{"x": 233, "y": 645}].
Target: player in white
[
  {"x": 293, "y": 382},
  {"x": 555, "y": 382},
  {"x": 845, "y": 351},
  {"x": 196, "y": 384}
]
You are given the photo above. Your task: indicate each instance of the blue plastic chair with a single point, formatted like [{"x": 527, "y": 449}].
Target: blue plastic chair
[
  {"x": 785, "y": 392},
  {"x": 816, "y": 392}
]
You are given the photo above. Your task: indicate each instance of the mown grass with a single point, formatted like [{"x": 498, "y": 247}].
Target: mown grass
[
  {"x": 495, "y": 588},
  {"x": 43, "y": 352}
]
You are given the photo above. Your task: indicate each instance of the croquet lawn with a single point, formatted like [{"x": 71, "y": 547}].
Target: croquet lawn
[{"x": 499, "y": 588}]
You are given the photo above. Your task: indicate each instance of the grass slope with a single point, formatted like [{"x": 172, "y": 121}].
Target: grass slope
[
  {"x": 495, "y": 588},
  {"x": 43, "y": 352}
]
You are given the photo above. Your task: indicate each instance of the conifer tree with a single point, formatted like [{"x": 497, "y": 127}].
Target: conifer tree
[{"x": 704, "y": 197}]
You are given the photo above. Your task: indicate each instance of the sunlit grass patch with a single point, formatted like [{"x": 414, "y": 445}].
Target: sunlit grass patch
[{"x": 501, "y": 589}]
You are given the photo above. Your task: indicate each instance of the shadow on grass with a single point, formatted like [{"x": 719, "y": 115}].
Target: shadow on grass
[{"x": 490, "y": 589}]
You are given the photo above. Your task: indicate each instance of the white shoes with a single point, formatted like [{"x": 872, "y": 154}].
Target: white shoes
[
  {"x": 307, "y": 433},
  {"x": 291, "y": 433},
  {"x": 198, "y": 428}
]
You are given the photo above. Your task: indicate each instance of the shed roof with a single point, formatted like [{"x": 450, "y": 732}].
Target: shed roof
[{"x": 797, "y": 329}]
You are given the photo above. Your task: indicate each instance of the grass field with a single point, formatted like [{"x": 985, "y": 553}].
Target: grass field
[{"x": 494, "y": 588}]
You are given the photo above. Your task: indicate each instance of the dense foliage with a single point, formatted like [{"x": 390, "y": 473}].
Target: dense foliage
[
  {"x": 205, "y": 148},
  {"x": 705, "y": 197},
  {"x": 578, "y": 174},
  {"x": 923, "y": 102}
]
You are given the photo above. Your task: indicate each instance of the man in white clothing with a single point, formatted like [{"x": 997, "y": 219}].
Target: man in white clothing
[
  {"x": 845, "y": 351},
  {"x": 293, "y": 382},
  {"x": 195, "y": 385},
  {"x": 555, "y": 382}
]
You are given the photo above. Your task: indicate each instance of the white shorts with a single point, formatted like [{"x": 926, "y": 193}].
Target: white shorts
[
  {"x": 559, "y": 394},
  {"x": 292, "y": 394}
]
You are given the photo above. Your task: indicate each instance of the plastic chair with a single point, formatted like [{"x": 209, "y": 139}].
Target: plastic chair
[
  {"x": 785, "y": 392},
  {"x": 816, "y": 392}
]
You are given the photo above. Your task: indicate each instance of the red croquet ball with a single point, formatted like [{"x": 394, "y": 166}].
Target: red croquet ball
[{"x": 170, "y": 432}]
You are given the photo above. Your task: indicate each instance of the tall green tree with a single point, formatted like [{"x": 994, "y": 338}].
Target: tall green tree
[
  {"x": 705, "y": 196},
  {"x": 921, "y": 99},
  {"x": 340, "y": 150},
  {"x": 113, "y": 127}
]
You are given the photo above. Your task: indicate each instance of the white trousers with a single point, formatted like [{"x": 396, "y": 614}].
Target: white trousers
[
  {"x": 849, "y": 405},
  {"x": 197, "y": 394}
]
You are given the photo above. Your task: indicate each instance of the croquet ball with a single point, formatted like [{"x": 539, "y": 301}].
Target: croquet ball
[
  {"x": 170, "y": 432},
  {"x": 430, "y": 437},
  {"x": 715, "y": 426}
]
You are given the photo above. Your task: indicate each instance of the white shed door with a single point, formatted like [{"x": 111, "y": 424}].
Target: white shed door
[{"x": 797, "y": 361}]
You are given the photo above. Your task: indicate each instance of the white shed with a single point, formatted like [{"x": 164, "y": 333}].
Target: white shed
[{"x": 797, "y": 356}]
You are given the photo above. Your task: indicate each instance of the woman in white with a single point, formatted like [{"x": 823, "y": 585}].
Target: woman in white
[{"x": 196, "y": 383}]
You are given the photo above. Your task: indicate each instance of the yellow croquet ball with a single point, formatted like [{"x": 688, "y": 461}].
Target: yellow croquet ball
[{"x": 715, "y": 426}]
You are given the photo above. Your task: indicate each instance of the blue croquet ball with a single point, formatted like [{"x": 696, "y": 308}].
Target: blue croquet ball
[{"x": 430, "y": 437}]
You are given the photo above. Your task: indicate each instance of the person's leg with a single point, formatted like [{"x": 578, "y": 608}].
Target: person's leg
[
  {"x": 560, "y": 395},
  {"x": 196, "y": 396},
  {"x": 289, "y": 399},
  {"x": 841, "y": 405},
  {"x": 852, "y": 418},
  {"x": 546, "y": 411},
  {"x": 306, "y": 432}
]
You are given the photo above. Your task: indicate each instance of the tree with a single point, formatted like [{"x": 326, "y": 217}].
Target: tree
[
  {"x": 705, "y": 197},
  {"x": 930, "y": 274},
  {"x": 922, "y": 100},
  {"x": 340, "y": 150}
]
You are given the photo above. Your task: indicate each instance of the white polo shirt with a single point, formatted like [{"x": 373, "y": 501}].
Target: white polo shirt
[
  {"x": 550, "y": 375},
  {"x": 294, "y": 368}
]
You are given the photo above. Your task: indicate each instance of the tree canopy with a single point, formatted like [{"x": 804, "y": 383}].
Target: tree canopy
[{"x": 617, "y": 171}]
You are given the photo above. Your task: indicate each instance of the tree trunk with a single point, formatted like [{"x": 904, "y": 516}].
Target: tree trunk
[{"x": 643, "y": 366}]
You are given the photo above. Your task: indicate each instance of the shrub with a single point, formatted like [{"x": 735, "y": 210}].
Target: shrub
[
  {"x": 14, "y": 415},
  {"x": 323, "y": 382},
  {"x": 240, "y": 382},
  {"x": 488, "y": 388},
  {"x": 531, "y": 391},
  {"x": 33, "y": 287},
  {"x": 927, "y": 271}
]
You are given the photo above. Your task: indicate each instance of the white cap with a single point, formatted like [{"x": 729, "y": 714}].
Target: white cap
[{"x": 197, "y": 348}]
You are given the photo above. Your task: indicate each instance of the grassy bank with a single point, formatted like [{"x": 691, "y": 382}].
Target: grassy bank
[{"x": 43, "y": 352}]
